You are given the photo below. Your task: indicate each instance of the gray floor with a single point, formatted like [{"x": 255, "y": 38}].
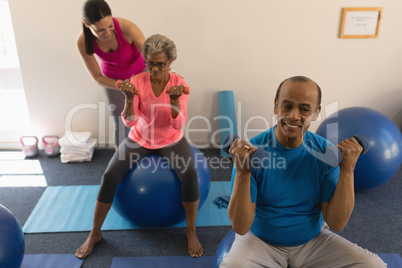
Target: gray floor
[{"x": 376, "y": 222}]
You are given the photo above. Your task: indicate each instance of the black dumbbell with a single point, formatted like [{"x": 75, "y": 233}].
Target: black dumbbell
[
  {"x": 258, "y": 159},
  {"x": 333, "y": 155}
]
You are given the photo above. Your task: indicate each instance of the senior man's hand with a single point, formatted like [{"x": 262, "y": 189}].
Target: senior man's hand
[{"x": 241, "y": 152}]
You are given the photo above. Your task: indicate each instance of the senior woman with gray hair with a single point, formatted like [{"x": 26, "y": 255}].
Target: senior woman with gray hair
[{"x": 155, "y": 110}]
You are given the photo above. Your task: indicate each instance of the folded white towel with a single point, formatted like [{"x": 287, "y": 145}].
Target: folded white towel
[
  {"x": 76, "y": 146},
  {"x": 67, "y": 158},
  {"x": 74, "y": 150},
  {"x": 77, "y": 139},
  {"x": 75, "y": 153},
  {"x": 83, "y": 147}
]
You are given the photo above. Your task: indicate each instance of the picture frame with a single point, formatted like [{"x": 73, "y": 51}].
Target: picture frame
[{"x": 361, "y": 22}]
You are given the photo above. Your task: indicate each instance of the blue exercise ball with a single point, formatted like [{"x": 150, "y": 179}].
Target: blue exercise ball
[
  {"x": 224, "y": 248},
  {"x": 384, "y": 156},
  {"x": 150, "y": 193},
  {"x": 12, "y": 243}
]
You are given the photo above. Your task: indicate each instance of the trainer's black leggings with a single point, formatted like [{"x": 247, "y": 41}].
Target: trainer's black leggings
[{"x": 129, "y": 153}]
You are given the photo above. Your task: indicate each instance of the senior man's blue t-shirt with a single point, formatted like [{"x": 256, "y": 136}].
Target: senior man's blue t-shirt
[{"x": 288, "y": 192}]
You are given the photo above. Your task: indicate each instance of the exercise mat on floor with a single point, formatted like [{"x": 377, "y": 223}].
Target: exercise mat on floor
[
  {"x": 51, "y": 261},
  {"x": 393, "y": 260},
  {"x": 166, "y": 262},
  {"x": 71, "y": 209}
]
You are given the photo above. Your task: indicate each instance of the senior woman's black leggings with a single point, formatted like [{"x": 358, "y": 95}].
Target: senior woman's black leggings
[{"x": 129, "y": 153}]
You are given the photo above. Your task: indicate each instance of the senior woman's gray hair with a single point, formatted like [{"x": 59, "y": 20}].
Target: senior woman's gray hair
[{"x": 159, "y": 43}]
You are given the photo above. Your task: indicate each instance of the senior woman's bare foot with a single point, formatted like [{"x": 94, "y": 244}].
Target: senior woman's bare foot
[
  {"x": 88, "y": 246},
  {"x": 194, "y": 246}
]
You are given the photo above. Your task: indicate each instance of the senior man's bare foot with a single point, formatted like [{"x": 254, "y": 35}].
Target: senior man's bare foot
[
  {"x": 194, "y": 246},
  {"x": 88, "y": 246}
]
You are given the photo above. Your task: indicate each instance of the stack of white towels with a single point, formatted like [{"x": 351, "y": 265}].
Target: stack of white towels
[{"x": 76, "y": 146}]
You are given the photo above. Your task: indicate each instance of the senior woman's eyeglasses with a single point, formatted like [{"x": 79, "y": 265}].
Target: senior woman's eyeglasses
[{"x": 160, "y": 65}]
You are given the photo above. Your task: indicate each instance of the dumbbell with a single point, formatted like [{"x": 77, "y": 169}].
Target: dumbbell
[
  {"x": 30, "y": 150},
  {"x": 258, "y": 159},
  {"x": 137, "y": 91},
  {"x": 186, "y": 90},
  {"x": 52, "y": 146},
  {"x": 333, "y": 155}
]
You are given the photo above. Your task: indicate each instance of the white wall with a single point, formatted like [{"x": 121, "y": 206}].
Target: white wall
[{"x": 245, "y": 46}]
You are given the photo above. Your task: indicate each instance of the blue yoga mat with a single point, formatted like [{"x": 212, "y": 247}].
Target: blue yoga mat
[
  {"x": 71, "y": 209},
  {"x": 51, "y": 261},
  {"x": 227, "y": 116},
  {"x": 166, "y": 262},
  {"x": 393, "y": 260}
]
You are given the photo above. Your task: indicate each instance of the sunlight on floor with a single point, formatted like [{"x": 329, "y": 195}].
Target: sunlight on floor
[
  {"x": 13, "y": 167},
  {"x": 22, "y": 181},
  {"x": 16, "y": 171},
  {"x": 11, "y": 155}
]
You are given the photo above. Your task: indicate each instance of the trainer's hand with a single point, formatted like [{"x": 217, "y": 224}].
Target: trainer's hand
[
  {"x": 350, "y": 150},
  {"x": 241, "y": 152},
  {"x": 127, "y": 88}
]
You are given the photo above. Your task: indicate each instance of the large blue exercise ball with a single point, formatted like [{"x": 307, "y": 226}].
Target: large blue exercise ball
[
  {"x": 224, "y": 248},
  {"x": 12, "y": 243},
  {"x": 150, "y": 193},
  {"x": 384, "y": 156}
]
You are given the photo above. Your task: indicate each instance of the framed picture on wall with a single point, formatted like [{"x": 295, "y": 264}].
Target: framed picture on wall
[{"x": 361, "y": 22}]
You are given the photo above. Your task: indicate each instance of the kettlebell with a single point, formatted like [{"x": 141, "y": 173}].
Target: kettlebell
[
  {"x": 52, "y": 146},
  {"x": 30, "y": 150}
]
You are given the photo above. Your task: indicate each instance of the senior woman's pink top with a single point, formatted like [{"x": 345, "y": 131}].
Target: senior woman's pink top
[{"x": 153, "y": 126}]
